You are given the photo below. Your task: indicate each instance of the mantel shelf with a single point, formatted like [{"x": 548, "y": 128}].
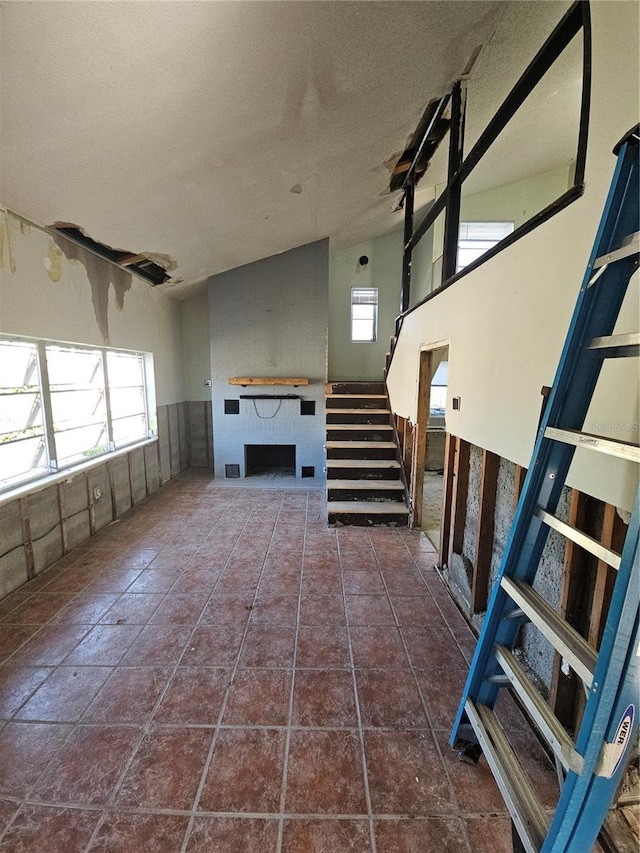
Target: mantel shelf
[{"x": 255, "y": 380}]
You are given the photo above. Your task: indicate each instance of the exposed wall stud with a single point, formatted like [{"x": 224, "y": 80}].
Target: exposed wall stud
[
  {"x": 26, "y": 537},
  {"x": 447, "y": 498},
  {"x": 420, "y": 437},
  {"x": 484, "y": 536}
]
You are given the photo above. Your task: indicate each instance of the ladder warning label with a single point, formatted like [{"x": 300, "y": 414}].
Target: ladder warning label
[{"x": 613, "y": 752}]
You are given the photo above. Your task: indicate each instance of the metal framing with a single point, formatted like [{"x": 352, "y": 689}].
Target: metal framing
[{"x": 576, "y": 20}]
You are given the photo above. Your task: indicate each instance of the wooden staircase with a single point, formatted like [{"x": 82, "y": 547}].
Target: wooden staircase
[{"x": 364, "y": 485}]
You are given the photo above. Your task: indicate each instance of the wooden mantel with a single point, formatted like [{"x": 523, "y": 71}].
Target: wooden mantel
[{"x": 255, "y": 380}]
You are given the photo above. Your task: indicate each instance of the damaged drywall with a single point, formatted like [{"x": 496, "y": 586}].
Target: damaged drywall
[{"x": 102, "y": 275}]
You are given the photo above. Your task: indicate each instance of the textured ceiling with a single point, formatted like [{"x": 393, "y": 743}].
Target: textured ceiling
[{"x": 217, "y": 133}]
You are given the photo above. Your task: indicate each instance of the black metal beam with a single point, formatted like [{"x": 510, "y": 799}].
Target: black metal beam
[
  {"x": 454, "y": 187},
  {"x": 405, "y": 295}
]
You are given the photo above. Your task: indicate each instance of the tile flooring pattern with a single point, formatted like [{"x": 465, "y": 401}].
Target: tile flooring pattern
[{"x": 219, "y": 671}]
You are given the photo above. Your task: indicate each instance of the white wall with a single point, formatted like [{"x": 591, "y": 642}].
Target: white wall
[
  {"x": 45, "y": 295},
  {"x": 506, "y": 322},
  {"x": 348, "y": 360},
  {"x": 197, "y": 357},
  {"x": 269, "y": 320},
  {"x": 518, "y": 201}
]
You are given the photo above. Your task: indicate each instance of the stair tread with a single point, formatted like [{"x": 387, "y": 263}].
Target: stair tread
[
  {"x": 362, "y": 463},
  {"x": 355, "y": 427},
  {"x": 358, "y": 411},
  {"x": 378, "y": 445},
  {"x": 357, "y": 396},
  {"x": 387, "y": 485},
  {"x": 364, "y": 507}
]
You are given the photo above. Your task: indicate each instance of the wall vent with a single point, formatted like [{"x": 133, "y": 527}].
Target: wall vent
[
  {"x": 232, "y": 407},
  {"x": 308, "y": 471},
  {"x": 232, "y": 471},
  {"x": 307, "y": 407}
]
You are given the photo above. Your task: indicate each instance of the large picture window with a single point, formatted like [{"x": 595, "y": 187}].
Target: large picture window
[{"x": 62, "y": 404}]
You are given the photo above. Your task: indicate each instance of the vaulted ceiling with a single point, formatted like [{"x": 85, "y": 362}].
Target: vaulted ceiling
[{"x": 212, "y": 134}]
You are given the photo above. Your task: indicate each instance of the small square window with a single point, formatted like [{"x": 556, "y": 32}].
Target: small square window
[{"x": 364, "y": 314}]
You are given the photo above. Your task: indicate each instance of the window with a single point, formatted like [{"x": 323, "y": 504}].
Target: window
[
  {"x": 364, "y": 314},
  {"x": 476, "y": 238},
  {"x": 62, "y": 404}
]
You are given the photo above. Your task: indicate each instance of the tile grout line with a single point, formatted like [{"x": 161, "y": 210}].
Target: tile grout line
[
  {"x": 205, "y": 771},
  {"x": 363, "y": 757},
  {"x": 287, "y": 744},
  {"x": 424, "y": 704},
  {"x": 146, "y": 728}
]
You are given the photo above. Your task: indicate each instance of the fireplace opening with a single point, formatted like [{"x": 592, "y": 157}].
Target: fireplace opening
[{"x": 274, "y": 460}]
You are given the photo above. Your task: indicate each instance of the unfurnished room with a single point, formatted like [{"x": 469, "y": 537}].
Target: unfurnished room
[{"x": 319, "y": 413}]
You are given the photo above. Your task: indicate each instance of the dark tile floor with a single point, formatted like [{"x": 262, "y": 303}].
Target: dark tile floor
[{"x": 219, "y": 671}]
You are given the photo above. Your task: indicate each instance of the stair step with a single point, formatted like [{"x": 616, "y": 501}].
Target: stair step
[
  {"x": 359, "y": 432},
  {"x": 356, "y": 401},
  {"x": 386, "y": 485},
  {"x": 369, "y": 470},
  {"x": 346, "y": 387},
  {"x": 365, "y": 507},
  {"x": 360, "y": 445},
  {"x": 361, "y": 449},
  {"x": 358, "y": 416}
]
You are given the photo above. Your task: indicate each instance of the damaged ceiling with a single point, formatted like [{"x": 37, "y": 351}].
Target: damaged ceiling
[{"x": 202, "y": 136}]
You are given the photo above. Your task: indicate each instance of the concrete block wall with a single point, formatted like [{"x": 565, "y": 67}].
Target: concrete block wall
[
  {"x": 39, "y": 528},
  {"x": 538, "y": 653},
  {"x": 269, "y": 320}
]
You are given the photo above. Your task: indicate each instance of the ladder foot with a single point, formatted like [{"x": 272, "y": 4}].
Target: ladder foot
[{"x": 467, "y": 746}]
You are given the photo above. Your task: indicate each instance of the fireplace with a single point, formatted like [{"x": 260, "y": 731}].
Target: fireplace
[{"x": 278, "y": 460}]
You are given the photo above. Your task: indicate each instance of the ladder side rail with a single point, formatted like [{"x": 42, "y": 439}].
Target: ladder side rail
[
  {"x": 551, "y": 460},
  {"x": 586, "y": 798}
]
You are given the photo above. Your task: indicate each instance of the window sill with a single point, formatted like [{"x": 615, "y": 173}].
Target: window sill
[{"x": 68, "y": 474}]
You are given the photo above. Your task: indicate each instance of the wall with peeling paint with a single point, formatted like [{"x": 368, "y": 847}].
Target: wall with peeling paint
[
  {"x": 51, "y": 288},
  {"x": 348, "y": 360},
  {"x": 507, "y": 320}
]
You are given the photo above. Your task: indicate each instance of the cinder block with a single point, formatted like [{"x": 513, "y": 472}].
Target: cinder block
[
  {"x": 99, "y": 480},
  {"x": 43, "y": 511},
  {"x": 10, "y": 527},
  {"x": 137, "y": 474},
  {"x": 119, "y": 469},
  {"x": 164, "y": 452},
  {"x": 13, "y": 570},
  {"x": 78, "y": 529},
  {"x": 47, "y": 549},
  {"x": 152, "y": 467}
]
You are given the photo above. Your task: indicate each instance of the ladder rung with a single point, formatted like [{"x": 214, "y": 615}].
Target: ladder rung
[
  {"x": 586, "y": 542},
  {"x": 630, "y": 246},
  {"x": 540, "y": 712},
  {"x": 520, "y": 798},
  {"x": 565, "y": 639},
  {"x": 617, "y": 346},
  {"x": 622, "y": 449}
]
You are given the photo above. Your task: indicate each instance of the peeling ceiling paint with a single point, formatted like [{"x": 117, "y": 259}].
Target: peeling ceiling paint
[
  {"x": 192, "y": 129},
  {"x": 102, "y": 276}
]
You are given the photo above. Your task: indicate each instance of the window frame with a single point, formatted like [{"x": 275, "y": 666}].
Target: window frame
[
  {"x": 52, "y": 465},
  {"x": 373, "y": 320}
]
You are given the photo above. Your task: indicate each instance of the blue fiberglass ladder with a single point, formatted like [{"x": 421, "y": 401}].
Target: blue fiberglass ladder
[{"x": 593, "y": 765}]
